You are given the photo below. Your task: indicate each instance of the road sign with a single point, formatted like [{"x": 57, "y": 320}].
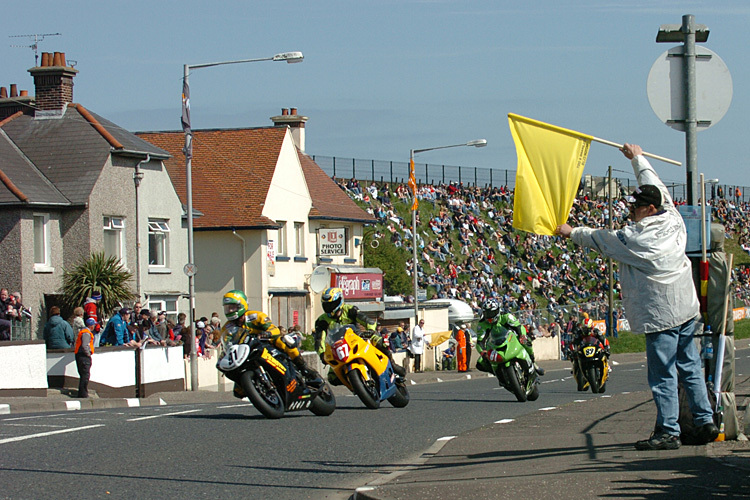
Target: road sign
[
  {"x": 666, "y": 88},
  {"x": 190, "y": 270}
]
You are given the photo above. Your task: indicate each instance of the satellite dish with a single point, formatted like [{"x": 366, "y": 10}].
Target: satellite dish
[{"x": 320, "y": 279}]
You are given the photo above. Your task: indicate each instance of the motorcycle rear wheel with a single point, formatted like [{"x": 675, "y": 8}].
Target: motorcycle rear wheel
[
  {"x": 511, "y": 376},
  {"x": 361, "y": 390},
  {"x": 324, "y": 403},
  {"x": 264, "y": 395},
  {"x": 593, "y": 374},
  {"x": 400, "y": 398}
]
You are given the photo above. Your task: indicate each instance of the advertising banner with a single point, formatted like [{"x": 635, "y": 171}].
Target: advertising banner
[{"x": 359, "y": 285}]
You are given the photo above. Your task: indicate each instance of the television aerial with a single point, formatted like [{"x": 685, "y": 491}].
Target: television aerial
[{"x": 37, "y": 37}]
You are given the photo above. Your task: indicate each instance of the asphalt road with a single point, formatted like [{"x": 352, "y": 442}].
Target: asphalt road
[{"x": 217, "y": 450}]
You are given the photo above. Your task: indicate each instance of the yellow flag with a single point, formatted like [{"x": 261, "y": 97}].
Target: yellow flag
[
  {"x": 413, "y": 184},
  {"x": 550, "y": 164}
]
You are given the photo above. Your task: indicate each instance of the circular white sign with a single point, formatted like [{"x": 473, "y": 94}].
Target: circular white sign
[{"x": 666, "y": 90}]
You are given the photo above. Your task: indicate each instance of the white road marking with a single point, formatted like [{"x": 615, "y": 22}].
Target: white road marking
[
  {"x": 161, "y": 415},
  {"x": 73, "y": 405},
  {"x": 606, "y": 396},
  {"x": 234, "y": 406},
  {"x": 505, "y": 421},
  {"x": 580, "y": 400},
  {"x": 548, "y": 408},
  {"x": 439, "y": 379},
  {"x": 4, "y": 409},
  {"x": 50, "y": 433},
  {"x": 36, "y": 425},
  {"x": 133, "y": 402},
  {"x": 446, "y": 438}
]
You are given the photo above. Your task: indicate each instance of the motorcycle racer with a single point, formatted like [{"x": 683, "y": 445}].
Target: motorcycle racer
[
  {"x": 336, "y": 312},
  {"x": 494, "y": 324},
  {"x": 258, "y": 323}
]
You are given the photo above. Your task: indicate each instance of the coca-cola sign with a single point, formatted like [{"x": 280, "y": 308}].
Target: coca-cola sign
[{"x": 359, "y": 285}]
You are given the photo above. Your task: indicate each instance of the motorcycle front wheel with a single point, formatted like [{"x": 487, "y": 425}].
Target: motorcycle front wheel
[
  {"x": 511, "y": 376},
  {"x": 324, "y": 403},
  {"x": 360, "y": 388},
  {"x": 594, "y": 376},
  {"x": 263, "y": 394}
]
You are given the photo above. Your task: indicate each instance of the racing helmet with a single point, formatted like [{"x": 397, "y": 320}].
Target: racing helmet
[
  {"x": 332, "y": 300},
  {"x": 235, "y": 304},
  {"x": 257, "y": 320},
  {"x": 491, "y": 310},
  {"x": 587, "y": 325}
]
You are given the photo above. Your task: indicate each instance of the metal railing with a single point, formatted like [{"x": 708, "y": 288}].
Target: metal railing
[{"x": 431, "y": 173}]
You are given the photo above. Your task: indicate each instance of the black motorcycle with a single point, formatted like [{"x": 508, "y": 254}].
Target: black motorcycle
[
  {"x": 590, "y": 365},
  {"x": 269, "y": 378}
]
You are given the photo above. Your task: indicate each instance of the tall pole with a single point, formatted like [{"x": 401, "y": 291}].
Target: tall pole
[
  {"x": 415, "y": 265},
  {"x": 191, "y": 256},
  {"x": 691, "y": 124},
  {"x": 610, "y": 308}
]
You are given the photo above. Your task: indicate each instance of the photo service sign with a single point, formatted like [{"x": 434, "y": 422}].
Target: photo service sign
[
  {"x": 332, "y": 241},
  {"x": 359, "y": 285}
]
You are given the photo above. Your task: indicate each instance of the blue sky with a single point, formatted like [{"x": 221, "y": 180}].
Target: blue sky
[{"x": 383, "y": 77}]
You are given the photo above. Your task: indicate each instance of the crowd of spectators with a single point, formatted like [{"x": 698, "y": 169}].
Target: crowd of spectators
[
  {"x": 13, "y": 314},
  {"x": 468, "y": 249}
]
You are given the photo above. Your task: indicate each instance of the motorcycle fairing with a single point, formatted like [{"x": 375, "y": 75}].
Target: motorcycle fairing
[{"x": 235, "y": 356}]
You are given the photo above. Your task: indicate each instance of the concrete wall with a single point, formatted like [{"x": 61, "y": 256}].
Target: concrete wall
[{"x": 23, "y": 369}]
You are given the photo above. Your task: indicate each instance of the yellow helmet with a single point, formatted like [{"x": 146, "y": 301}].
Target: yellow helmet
[
  {"x": 257, "y": 320},
  {"x": 332, "y": 300}
]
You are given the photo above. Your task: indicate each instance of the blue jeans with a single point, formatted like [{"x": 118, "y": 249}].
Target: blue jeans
[{"x": 672, "y": 353}]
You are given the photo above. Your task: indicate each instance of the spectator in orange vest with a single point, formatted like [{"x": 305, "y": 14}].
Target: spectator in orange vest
[
  {"x": 461, "y": 345},
  {"x": 84, "y": 349}
]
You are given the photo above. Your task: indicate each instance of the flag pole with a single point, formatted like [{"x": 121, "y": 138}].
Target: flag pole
[{"x": 619, "y": 146}]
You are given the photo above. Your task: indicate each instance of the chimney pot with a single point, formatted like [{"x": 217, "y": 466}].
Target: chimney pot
[
  {"x": 284, "y": 112},
  {"x": 62, "y": 59},
  {"x": 13, "y": 90},
  {"x": 57, "y": 60},
  {"x": 45, "y": 58},
  {"x": 3, "y": 93},
  {"x": 24, "y": 93},
  {"x": 293, "y": 111}
]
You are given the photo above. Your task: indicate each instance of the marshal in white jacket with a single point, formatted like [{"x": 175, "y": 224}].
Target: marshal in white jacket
[{"x": 655, "y": 274}]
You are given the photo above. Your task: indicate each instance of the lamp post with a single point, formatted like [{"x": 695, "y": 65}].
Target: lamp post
[
  {"x": 478, "y": 143},
  {"x": 190, "y": 269}
]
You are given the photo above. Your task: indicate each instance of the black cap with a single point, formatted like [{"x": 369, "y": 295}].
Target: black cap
[
  {"x": 124, "y": 311},
  {"x": 646, "y": 195}
]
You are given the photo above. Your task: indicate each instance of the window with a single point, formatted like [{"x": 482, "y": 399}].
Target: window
[
  {"x": 158, "y": 238},
  {"x": 114, "y": 228},
  {"x": 281, "y": 249},
  {"x": 299, "y": 238},
  {"x": 41, "y": 242},
  {"x": 166, "y": 303}
]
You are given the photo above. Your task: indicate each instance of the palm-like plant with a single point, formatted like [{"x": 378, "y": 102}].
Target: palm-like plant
[{"x": 97, "y": 274}]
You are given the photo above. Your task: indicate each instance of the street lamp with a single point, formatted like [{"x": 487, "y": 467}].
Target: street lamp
[
  {"x": 190, "y": 268},
  {"x": 478, "y": 143}
]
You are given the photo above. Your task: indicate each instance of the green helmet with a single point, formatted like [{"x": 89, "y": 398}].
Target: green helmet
[{"x": 235, "y": 304}]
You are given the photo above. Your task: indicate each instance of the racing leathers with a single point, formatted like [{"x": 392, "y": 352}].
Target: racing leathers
[
  {"x": 350, "y": 315},
  {"x": 503, "y": 322}
]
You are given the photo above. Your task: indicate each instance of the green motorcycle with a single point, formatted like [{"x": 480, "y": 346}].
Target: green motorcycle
[{"x": 507, "y": 359}]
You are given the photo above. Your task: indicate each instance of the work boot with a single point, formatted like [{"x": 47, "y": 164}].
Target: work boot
[
  {"x": 398, "y": 369},
  {"x": 539, "y": 370},
  {"x": 707, "y": 433},
  {"x": 310, "y": 375}
]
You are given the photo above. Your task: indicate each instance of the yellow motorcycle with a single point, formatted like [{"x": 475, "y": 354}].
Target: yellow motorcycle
[{"x": 363, "y": 368}]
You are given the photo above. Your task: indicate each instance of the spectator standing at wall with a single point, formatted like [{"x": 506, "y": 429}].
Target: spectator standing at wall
[
  {"x": 58, "y": 334},
  {"x": 84, "y": 350},
  {"x": 417, "y": 345},
  {"x": 76, "y": 321},
  {"x": 659, "y": 299},
  {"x": 116, "y": 331},
  {"x": 90, "y": 308},
  {"x": 4, "y": 316}
]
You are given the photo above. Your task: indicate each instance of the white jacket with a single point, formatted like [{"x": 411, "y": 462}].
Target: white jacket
[
  {"x": 417, "y": 340},
  {"x": 655, "y": 274}
]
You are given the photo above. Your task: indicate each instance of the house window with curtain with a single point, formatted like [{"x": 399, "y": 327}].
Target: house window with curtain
[
  {"x": 42, "y": 259},
  {"x": 281, "y": 247},
  {"x": 299, "y": 239},
  {"x": 114, "y": 237},
  {"x": 158, "y": 239}
]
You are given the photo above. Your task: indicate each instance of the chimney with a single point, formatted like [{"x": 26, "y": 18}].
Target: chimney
[
  {"x": 296, "y": 123},
  {"x": 53, "y": 82},
  {"x": 14, "y": 101}
]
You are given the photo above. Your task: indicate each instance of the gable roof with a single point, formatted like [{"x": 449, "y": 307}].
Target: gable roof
[
  {"x": 57, "y": 160},
  {"x": 231, "y": 173},
  {"x": 329, "y": 201}
]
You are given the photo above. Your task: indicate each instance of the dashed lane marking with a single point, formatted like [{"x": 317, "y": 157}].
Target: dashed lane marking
[
  {"x": 162, "y": 415},
  {"x": 505, "y": 421},
  {"x": 50, "y": 433}
]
